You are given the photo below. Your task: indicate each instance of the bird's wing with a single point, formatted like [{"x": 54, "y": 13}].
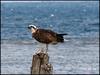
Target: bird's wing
[
  {"x": 50, "y": 32},
  {"x": 50, "y": 35}
]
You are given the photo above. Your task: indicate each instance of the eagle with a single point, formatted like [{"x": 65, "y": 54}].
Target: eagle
[{"x": 46, "y": 36}]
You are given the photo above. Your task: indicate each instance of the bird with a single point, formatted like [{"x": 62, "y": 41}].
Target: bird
[{"x": 46, "y": 36}]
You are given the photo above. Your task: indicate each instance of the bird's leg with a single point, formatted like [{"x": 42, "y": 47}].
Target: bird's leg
[{"x": 46, "y": 47}]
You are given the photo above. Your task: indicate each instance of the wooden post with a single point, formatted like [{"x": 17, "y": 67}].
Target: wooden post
[{"x": 40, "y": 63}]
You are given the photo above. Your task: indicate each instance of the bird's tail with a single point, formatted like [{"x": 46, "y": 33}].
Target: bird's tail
[
  {"x": 60, "y": 37},
  {"x": 62, "y": 34}
]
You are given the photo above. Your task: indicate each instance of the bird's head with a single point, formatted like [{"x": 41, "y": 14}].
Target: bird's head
[{"x": 33, "y": 28}]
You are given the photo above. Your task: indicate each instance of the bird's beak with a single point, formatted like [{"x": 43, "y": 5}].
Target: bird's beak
[{"x": 29, "y": 27}]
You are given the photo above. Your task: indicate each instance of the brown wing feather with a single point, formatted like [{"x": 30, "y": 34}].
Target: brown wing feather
[{"x": 45, "y": 36}]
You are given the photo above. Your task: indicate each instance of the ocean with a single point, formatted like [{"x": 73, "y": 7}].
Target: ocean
[{"x": 79, "y": 53}]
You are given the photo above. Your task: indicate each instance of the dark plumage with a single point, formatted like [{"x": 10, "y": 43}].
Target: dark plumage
[{"x": 46, "y": 36}]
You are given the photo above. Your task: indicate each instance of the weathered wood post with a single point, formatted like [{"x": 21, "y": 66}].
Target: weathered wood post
[{"x": 40, "y": 63}]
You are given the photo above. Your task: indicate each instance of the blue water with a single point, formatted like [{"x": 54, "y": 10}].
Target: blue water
[{"x": 79, "y": 54}]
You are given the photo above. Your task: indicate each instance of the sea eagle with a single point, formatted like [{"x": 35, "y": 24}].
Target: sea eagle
[{"x": 46, "y": 36}]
